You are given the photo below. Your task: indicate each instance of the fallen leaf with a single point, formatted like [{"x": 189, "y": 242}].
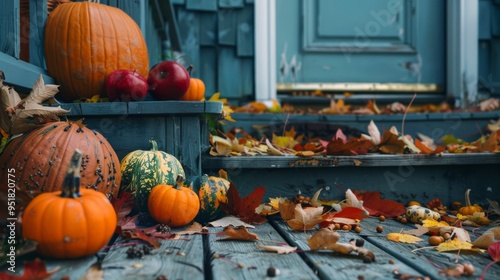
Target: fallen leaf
[
  {"x": 454, "y": 245},
  {"x": 29, "y": 113},
  {"x": 140, "y": 234},
  {"x": 244, "y": 208},
  {"x": 314, "y": 200},
  {"x": 306, "y": 218},
  {"x": 403, "y": 238},
  {"x": 380, "y": 207},
  {"x": 229, "y": 221},
  {"x": 431, "y": 223},
  {"x": 278, "y": 249},
  {"x": 287, "y": 210},
  {"x": 192, "y": 229},
  {"x": 489, "y": 237},
  {"x": 238, "y": 233},
  {"x": 426, "y": 150},
  {"x": 33, "y": 270},
  {"x": 391, "y": 144},
  {"x": 327, "y": 239},
  {"x": 347, "y": 212},
  {"x": 419, "y": 231},
  {"x": 351, "y": 200},
  {"x": 494, "y": 252},
  {"x": 324, "y": 238},
  {"x": 374, "y": 134}
]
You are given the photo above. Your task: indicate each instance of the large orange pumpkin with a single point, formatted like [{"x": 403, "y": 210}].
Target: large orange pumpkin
[
  {"x": 36, "y": 162},
  {"x": 85, "y": 42},
  {"x": 70, "y": 223}
]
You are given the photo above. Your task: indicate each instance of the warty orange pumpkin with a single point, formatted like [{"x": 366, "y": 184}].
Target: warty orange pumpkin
[
  {"x": 38, "y": 160},
  {"x": 70, "y": 223},
  {"x": 85, "y": 42}
]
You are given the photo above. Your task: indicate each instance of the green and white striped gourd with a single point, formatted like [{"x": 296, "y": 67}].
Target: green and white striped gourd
[{"x": 142, "y": 170}]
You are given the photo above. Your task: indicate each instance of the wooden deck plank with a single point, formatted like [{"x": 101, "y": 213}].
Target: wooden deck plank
[
  {"x": 288, "y": 161},
  {"x": 255, "y": 261},
  {"x": 329, "y": 263},
  {"x": 424, "y": 260},
  {"x": 175, "y": 259}
]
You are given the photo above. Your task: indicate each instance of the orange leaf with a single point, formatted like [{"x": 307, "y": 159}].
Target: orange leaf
[
  {"x": 426, "y": 150},
  {"x": 239, "y": 233}
]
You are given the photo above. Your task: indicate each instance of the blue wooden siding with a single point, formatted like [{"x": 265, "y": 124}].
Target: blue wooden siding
[
  {"x": 489, "y": 48},
  {"x": 217, "y": 37},
  {"x": 218, "y": 40},
  {"x": 24, "y": 73}
]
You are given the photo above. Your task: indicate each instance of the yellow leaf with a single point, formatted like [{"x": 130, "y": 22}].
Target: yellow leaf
[
  {"x": 454, "y": 245},
  {"x": 306, "y": 218},
  {"x": 404, "y": 238},
  {"x": 428, "y": 223},
  {"x": 275, "y": 202}
]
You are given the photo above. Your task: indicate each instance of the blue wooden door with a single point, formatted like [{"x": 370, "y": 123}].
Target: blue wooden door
[{"x": 361, "y": 41}]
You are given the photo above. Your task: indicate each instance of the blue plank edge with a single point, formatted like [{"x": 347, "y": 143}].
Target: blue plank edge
[{"x": 142, "y": 108}]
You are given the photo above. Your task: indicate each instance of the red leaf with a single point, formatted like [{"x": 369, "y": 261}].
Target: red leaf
[
  {"x": 494, "y": 251},
  {"x": 123, "y": 206},
  {"x": 351, "y": 147},
  {"x": 139, "y": 234},
  {"x": 348, "y": 212},
  {"x": 244, "y": 208},
  {"x": 33, "y": 270},
  {"x": 377, "y": 206}
]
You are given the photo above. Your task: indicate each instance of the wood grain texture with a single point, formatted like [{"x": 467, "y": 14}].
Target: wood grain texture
[
  {"x": 201, "y": 5},
  {"x": 245, "y": 32},
  {"x": 175, "y": 259},
  {"x": 423, "y": 258},
  {"x": 227, "y": 22},
  {"x": 255, "y": 261},
  {"x": 402, "y": 184},
  {"x": 328, "y": 263}
]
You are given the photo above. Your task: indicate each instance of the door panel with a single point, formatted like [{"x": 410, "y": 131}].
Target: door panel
[{"x": 361, "y": 41}]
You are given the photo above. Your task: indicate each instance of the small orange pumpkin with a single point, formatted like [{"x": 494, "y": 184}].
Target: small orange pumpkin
[
  {"x": 174, "y": 206},
  {"x": 70, "y": 223},
  {"x": 196, "y": 90},
  {"x": 469, "y": 209}
]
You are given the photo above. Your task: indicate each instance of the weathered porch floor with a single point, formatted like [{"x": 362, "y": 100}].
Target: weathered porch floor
[{"x": 202, "y": 256}]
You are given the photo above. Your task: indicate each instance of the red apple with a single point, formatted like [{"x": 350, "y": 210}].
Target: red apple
[
  {"x": 126, "y": 85},
  {"x": 168, "y": 80}
]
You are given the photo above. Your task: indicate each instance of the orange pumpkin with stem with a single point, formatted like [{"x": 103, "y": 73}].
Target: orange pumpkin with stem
[
  {"x": 174, "y": 206},
  {"x": 469, "y": 209},
  {"x": 196, "y": 90},
  {"x": 70, "y": 223},
  {"x": 85, "y": 42}
]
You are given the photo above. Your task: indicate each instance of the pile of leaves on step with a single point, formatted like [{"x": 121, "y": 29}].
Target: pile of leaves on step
[{"x": 238, "y": 142}]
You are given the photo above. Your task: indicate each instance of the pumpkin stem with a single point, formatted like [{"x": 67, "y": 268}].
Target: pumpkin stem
[
  {"x": 189, "y": 69},
  {"x": 467, "y": 199},
  {"x": 71, "y": 183},
  {"x": 154, "y": 145},
  {"x": 179, "y": 182}
]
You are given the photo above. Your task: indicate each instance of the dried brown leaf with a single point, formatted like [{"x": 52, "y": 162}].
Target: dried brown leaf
[
  {"x": 306, "y": 218},
  {"x": 238, "y": 233}
]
